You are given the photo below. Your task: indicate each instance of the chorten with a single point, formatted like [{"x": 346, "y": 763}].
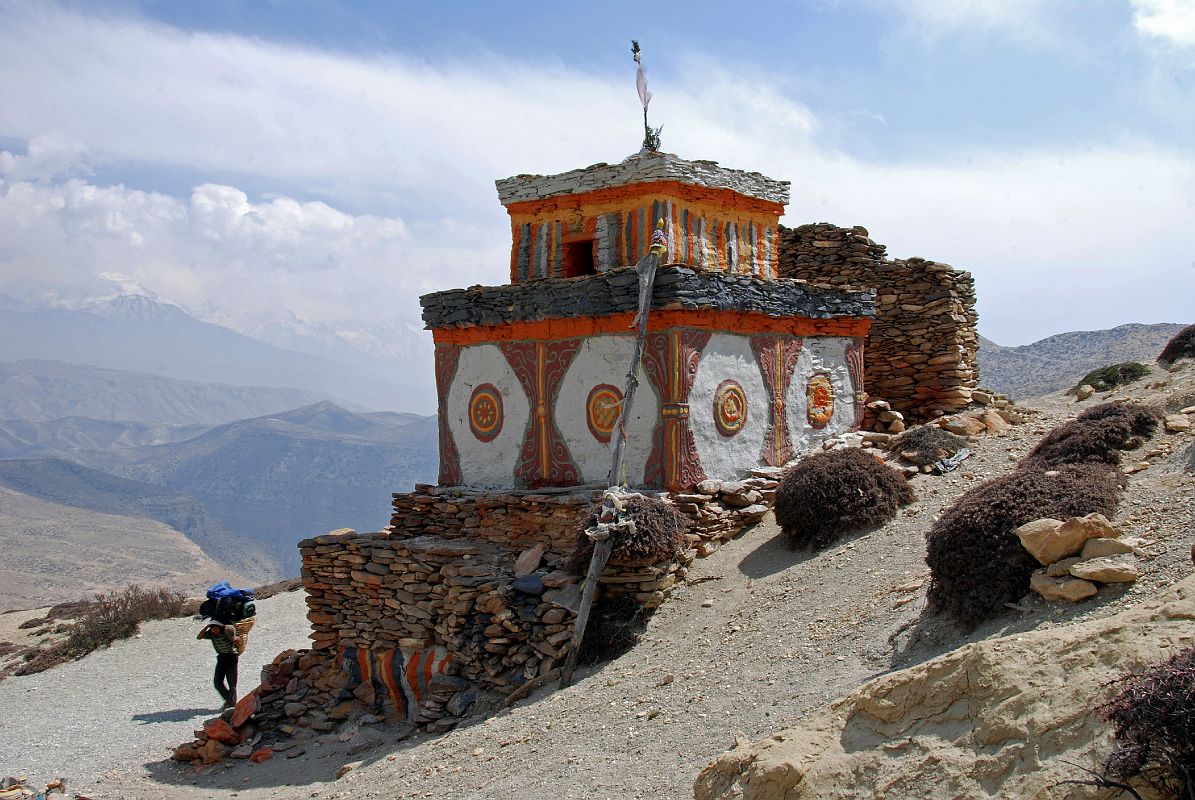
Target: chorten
[{"x": 740, "y": 368}]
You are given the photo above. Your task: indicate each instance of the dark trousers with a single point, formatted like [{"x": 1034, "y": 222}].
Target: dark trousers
[{"x": 226, "y": 676}]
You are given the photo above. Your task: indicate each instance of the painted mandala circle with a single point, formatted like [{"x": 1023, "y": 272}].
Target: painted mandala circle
[
  {"x": 485, "y": 412},
  {"x": 820, "y": 395},
  {"x": 601, "y": 410},
  {"x": 730, "y": 407}
]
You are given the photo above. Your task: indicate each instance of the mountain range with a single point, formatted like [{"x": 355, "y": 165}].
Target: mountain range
[
  {"x": 136, "y": 333},
  {"x": 1057, "y": 362},
  {"x": 245, "y": 491}
]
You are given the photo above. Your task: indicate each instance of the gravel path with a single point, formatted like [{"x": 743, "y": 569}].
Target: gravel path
[
  {"x": 126, "y": 705},
  {"x": 760, "y": 637}
]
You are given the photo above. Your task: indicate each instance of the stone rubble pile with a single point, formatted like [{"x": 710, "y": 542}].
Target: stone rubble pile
[
  {"x": 722, "y": 510},
  {"x": 921, "y": 351},
  {"x": 1076, "y": 554},
  {"x": 18, "y": 788}
]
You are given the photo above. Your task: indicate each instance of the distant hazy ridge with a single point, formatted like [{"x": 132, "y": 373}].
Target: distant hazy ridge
[{"x": 1055, "y": 363}]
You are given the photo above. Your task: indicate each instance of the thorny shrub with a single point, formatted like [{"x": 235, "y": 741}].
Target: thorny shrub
[
  {"x": 837, "y": 492},
  {"x": 926, "y": 444},
  {"x": 977, "y": 563},
  {"x": 1111, "y": 376},
  {"x": 1095, "y": 436},
  {"x": 1154, "y": 726},
  {"x": 108, "y": 617},
  {"x": 659, "y": 535},
  {"x": 1182, "y": 345}
]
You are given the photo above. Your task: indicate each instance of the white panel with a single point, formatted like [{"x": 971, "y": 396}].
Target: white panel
[
  {"x": 604, "y": 359},
  {"x": 490, "y": 463},
  {"x": 728, "y": 356},
  {"x": 827, "y": 355}
]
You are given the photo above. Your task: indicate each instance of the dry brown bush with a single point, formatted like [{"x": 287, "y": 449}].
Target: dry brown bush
[
  {"x": 977, "y": 563},
  {"x": 1181, "y": 345},
  {"x": 834, "y": 493},
  {"x": 1154, "y": 727},
  {"x": 1095, "y": 436},
  {"x": 926, "y": 444},
  {"x": 659, "y": 535}
]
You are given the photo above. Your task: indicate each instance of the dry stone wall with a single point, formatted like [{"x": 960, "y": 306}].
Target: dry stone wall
[{"x": 921, "y": 354}]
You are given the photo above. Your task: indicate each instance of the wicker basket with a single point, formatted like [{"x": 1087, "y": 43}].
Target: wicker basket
[{"x": 242, "y": 635}]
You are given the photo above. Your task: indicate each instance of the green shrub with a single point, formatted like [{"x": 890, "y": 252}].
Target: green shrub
[
  {"x": 1182, "y": 345},
  {"x": 1109, "y": 377},
  {"x": 1154, "y": 727},
  {"x": 1095, "y": 436},
  {"x": 659, "y": 535},
  {"x": 926, "y": 444},
  {"x": 838, "y": 492},
  {"x": 977, "y": 563}
]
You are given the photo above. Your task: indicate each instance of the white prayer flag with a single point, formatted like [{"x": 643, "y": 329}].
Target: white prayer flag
[{"x": 641, "y": 85}]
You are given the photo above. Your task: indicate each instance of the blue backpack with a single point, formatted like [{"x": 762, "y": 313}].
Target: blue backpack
[{"x": 226, "y": 604}]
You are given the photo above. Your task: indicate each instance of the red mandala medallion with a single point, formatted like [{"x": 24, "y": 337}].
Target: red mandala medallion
[
  {"x": 485, "y": 412},
  {"x": 601, "y": 410},
  {"x": 820, "y": 395},
  {"x": 730, "y": 407}
]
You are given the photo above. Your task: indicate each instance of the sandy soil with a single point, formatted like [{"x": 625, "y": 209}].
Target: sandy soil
[{"x": 759, "y": 637}]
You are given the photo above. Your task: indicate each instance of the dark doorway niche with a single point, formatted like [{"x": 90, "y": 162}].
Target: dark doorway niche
[{"x": 578, "y": 259}]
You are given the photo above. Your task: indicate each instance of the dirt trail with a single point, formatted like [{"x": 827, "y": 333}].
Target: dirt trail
[{"x": 758, "y": 638}]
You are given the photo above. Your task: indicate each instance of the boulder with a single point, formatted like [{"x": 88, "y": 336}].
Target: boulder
[
  {"x": 1102, "y": 546},
  {"x": 245, "y": 708},
  {"x": 963, "y": 426},
  {"x": 1085, "y": 391},
  {"x": 991, "y": 719},
  {"x": 1177, "y": 423},
  {"x": 528, "y": 560},
  {"x": 1062, "y": 566},
  {"x": 1106, "y": 570},
  {"x": 221, "y": 731},
  {"x": 261, "y": 754},
  {"x": 993, "y": 422},
  {"x": 1050, "y": 588},
  {"x": 1049, "y": 540}
]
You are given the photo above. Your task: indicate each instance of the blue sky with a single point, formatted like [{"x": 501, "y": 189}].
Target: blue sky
[{"x": 335, "y": 160}]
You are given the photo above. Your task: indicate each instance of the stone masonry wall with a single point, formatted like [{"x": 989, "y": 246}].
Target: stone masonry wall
[{"x": 921, "y": 351}]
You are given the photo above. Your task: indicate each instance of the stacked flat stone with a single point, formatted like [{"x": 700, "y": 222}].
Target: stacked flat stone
[
  {"x": 723, "y": 510},
  {"x": 921, "y": 351},
  {"x": 637, "y": 169},
  {"x": 516, "y": 519},
  {"x": 615, "y": 292}
]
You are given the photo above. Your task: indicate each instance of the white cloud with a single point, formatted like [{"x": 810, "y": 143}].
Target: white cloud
[
  {"x": 218, "y": 246},
  {"x": 1028, "y": 21},
  {"x": 1172, "y": 21},
  {"x": 1058, "y": 238}
]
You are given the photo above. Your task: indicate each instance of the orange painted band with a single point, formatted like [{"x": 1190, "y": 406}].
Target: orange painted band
[{"x": 746, "y": 322}]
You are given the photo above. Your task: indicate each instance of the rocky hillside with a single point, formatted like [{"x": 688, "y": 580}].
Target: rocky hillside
[
  {"x": 758, "y": 639},
  {"x": 1055, "y": 363},
  {"x": 56, "y": 553},
  {"x": 73, "y": 489},
  {"x": 280, "y": 478}
]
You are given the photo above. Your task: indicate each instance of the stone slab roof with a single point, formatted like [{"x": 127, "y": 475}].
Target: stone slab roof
[
  {"x": 641, "y": 168},
  {"x": 618, "y": 291}
]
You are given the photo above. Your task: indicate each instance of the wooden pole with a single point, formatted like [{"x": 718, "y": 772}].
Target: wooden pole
[{"x": 603, "y": 545}]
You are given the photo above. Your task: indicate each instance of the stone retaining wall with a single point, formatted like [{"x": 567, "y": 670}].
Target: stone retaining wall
[{"x": 921, "y": 350}]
